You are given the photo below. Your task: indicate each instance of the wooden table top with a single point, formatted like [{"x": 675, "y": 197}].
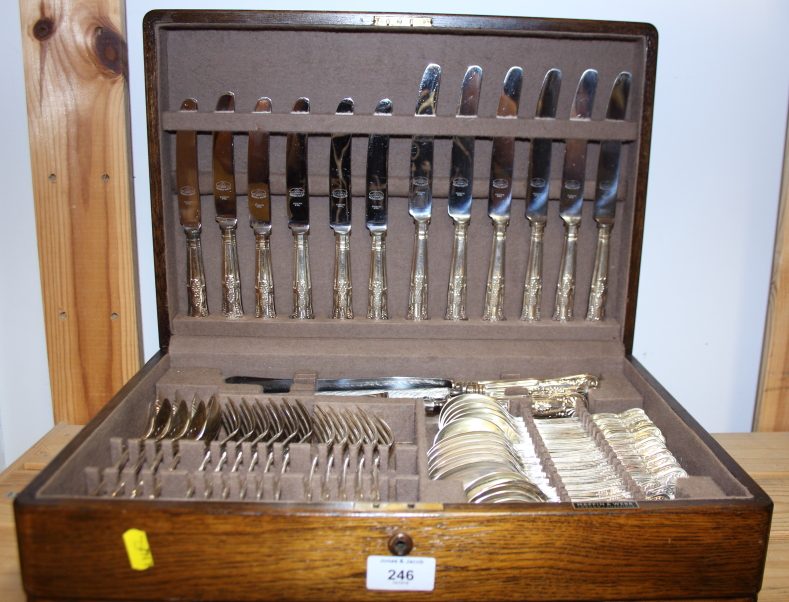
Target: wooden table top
[{"x": 764, "y": 455}]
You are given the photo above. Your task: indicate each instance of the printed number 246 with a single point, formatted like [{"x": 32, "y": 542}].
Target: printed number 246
[{"x": 400, "y": 575}]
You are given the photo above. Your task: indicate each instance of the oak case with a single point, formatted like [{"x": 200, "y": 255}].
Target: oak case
[{"x": 709, "y": 545}]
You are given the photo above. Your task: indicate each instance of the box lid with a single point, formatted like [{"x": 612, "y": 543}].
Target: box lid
[{"x": 330, "y": 56}]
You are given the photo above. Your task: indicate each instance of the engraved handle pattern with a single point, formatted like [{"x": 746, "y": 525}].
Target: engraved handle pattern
[
  {"x": 532, "y": 289},
  {"x": 565, "y": 287},
  {"x": 597, "y": 292},
  {"x": 343, "y": 288},
  {"x": 458, "y": 276},
  {"x": 494, "y": 293},
  {"x": 302, "y": 283},
  {"x": 195, "y": 276},
  {"x": 264, "y": 278},
  {"x": 231, "y": 280},
  {"x": 376, "y": 299},
  {"x": 417, "y": 298}
]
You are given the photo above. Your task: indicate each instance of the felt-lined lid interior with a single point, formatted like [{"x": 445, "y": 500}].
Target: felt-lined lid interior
[{"x": 329, "y": 57}]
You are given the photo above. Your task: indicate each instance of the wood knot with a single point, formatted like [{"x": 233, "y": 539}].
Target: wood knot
[
  {"x": 43, "y": 29},
  {"x": 111, "y": 49}
]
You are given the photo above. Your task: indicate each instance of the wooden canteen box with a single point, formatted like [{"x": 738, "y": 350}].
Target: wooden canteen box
[{"x": 707, "y": 544}]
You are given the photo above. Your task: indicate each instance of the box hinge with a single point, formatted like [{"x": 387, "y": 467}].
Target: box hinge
[{"x": 384, "y": 21}]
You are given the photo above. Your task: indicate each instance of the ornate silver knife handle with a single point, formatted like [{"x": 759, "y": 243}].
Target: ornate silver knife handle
[
  {"x": 376, "y": 299},
  {"x": 532, "y": 290},
  {"x": 565, "y": 288},
  {"x": 597, "y": 292},
  {"x": 417, "y": 298},
  {"x": 343, "y": 288},
  {"x": 264, "y": 278},
  {"x": 195, "y": 275},
  {"x": 458, "y": 276},
  {"x": 231, "y": 280},
  {"x": 302, "y": 283},
  {"x": 494, "y": 292}
]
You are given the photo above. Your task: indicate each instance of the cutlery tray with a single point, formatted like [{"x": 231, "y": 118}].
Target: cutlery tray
[
  {"x": 707, "y": 544},
  {"x": 403, "y": 471}
]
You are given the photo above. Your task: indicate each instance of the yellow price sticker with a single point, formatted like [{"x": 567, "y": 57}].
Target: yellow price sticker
[{"x": 136, "y": 542}]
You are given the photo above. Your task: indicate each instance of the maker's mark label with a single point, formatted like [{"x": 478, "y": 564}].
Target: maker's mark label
[
  {"x": 500, "y": 183},
  {"x": 340, "y": 193},
  {"x": 420, "y": 181},
  {"x": 376, "y": 195},
  {"x": 296, "y": 192},
  {"x": 224, "y": 185},
  {"x": 258, "y": 193},
  {"x": 187, "y": 190}
]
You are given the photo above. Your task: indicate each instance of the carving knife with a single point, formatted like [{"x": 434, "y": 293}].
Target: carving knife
[
  {"x": 298, "y": 199},
  {"x": 572, "y": 196},
  {"x": 605, "y": 198},
  {"x": 259, "y": 196},
  {"x": 435, "y": 390},
  {"x": 225, "y": 203},
  {"x": 420, "y": 196},
  {"x": 376, "y": 202},
  {"x": 537, "y": 187},
  {"x": 500, "y": 196},
  {"x": 189, "y": 208},
  {"x": 340, "y": 217},
  {"x": 461, "y": 178}
]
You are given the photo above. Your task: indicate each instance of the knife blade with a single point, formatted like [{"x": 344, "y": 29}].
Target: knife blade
[
  {"x": 420, "y": 196},
  {"x": 376, "y": 205},
  {"x": 298, "y": 201},
  {"x": 225, "y": 204},
  {"x": 461, "y": 178},
  {"x": 259, "y": 198},
  {"x": 605, "y": 198},
  {"x": 500, "y": 196},
  {"x": 572, "y": 196},
  {"x": 187, "y": 183},
  {"x": 340, "y": 216},
  {"x": 537, "y": 188}
]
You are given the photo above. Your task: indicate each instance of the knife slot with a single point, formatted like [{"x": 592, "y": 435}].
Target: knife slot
[{"x": 400, "y": 125}]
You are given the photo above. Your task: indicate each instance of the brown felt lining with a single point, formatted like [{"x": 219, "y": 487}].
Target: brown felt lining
[
  {"x": 440, "y": 125},
  {"x": 264, "y": 65},
  {"x": 405, "y": 479},
  {"x": 368, "y": 64}
]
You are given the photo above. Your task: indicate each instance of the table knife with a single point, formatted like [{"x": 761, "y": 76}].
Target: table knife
[
  {"x": 537, "y": 187},
  {"x": 461, "y": 178},
  {"x": 605, "y": 198},
  {"x": 225, "y": 203},
  {"x": 572, "y": 196},
  {"x": 376, "y": 202},
  {"x": 189, "y": 208},
  {"x": 259, "y": 196},
  {"x": 340, "y": 217},
  {"x": 420, "y": 195},
  {"x": 298, "y": 199},
  {"x": 500, "y": 196}
]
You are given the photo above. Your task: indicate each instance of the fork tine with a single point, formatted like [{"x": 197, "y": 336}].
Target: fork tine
[
  {"x": 274, "y": 415},
  {"x": 384, "y": 430},
  {"x": 306, "y": 421},
  {"x": 341, "y": 427},
  {"x": 327, "y": 427}
]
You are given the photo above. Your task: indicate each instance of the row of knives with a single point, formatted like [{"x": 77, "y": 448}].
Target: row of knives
[{"x": 419, "y": 205}]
